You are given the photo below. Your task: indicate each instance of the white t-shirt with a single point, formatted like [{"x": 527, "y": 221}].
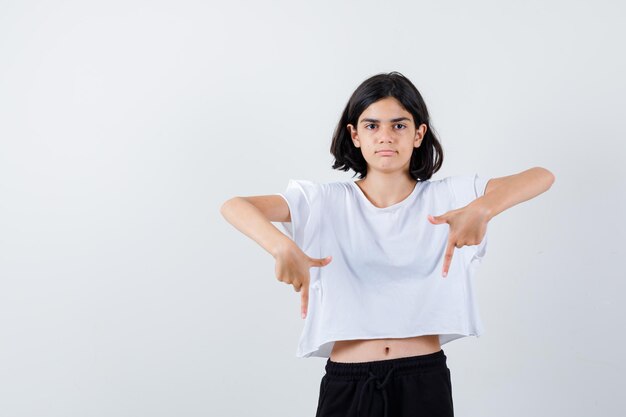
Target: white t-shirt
[{"x": 385, "y": 278}]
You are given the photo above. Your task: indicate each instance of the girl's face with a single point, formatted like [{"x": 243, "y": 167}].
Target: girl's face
[{"x": 386, "y": 126}]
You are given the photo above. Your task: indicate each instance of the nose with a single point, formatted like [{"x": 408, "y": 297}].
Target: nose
[{"x": 386, "y": 134}]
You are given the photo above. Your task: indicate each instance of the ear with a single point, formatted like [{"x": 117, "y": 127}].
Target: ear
[
  {"x": 353, "y": 134},
  {"x": 419, "y": 134}
]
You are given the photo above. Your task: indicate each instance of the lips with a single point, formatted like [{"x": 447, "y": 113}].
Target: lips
[{"x": 385, "y": 150}]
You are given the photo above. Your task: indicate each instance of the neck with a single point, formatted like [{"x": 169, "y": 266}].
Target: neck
[{"x": 385, "y": 190}]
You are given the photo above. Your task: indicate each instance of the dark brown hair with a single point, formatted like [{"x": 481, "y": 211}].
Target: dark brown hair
[{"x": 425, "y": 160}]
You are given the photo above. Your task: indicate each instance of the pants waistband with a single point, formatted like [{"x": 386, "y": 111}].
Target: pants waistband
[{"x": 400, "y": 365}]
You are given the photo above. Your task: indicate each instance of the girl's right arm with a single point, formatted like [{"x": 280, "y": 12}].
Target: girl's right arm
[{"x": 252, "y": 216}]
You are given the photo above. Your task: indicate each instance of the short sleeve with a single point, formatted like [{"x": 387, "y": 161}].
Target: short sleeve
[
  {"x": 465, "y": 189},
  {"x": 302, "y": 197}
]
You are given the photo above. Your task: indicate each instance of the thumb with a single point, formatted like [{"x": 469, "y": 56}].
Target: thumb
[
  {"x": 321, "y": 261},
  {"x": 437, "y": 219}
]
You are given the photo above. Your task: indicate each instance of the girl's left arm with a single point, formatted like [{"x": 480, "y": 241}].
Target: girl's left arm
[
  {"x": 468, "y": 224},
  {"x": 505, "y": 192}
]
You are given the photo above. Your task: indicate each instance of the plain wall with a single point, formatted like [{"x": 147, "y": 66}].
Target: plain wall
[{"x": 124, "y": 125}]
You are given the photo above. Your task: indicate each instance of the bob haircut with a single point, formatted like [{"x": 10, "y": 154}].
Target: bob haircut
[{"x": 425, "y": 160}]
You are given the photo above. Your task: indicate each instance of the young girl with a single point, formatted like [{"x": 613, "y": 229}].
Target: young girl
[{"x": 385, "y": 265}]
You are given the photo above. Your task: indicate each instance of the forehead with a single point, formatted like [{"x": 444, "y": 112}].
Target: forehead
[{"x": 385, "y": 109}]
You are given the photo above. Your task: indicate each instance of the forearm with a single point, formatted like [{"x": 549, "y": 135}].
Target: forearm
[
  {"x": 249, "y": 220},
  {"x": 515, "y": 189}
]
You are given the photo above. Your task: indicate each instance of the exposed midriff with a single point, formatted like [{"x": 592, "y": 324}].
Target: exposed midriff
[{"x": 366, "y": 350}]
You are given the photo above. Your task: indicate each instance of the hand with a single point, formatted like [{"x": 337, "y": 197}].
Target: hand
[
  {"x": 468, "y": 226},
  {"x": 292, "y": 267}
]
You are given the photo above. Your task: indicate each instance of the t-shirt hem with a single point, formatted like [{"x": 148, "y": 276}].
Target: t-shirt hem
[{"x": 444, "y": 338}]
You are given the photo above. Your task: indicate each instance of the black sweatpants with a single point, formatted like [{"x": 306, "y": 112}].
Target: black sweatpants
[{"x": 411, "y": 386}]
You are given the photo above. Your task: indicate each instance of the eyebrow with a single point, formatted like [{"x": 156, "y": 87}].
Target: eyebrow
[{"x": 397, "y": 119}]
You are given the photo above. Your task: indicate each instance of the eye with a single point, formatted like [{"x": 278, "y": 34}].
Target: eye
[
  {"x": 370, "y": 124},
  {"x": 400, "y": 124}
]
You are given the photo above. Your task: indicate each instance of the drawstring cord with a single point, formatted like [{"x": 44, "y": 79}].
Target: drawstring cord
[{"x": 379, "y": 385}]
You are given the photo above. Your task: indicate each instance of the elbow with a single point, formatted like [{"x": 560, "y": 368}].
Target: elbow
[
  {"x": 225, "y": 207},
  {"x": 550, "y": 177}
]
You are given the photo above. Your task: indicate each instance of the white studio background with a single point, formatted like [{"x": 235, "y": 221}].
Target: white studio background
[{"x": 124, "y": 125}]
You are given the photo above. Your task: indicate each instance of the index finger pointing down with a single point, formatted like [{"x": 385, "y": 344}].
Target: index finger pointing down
[
  {"x": 447, "y": 259},
  {"x": 304, "y": 300}
]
